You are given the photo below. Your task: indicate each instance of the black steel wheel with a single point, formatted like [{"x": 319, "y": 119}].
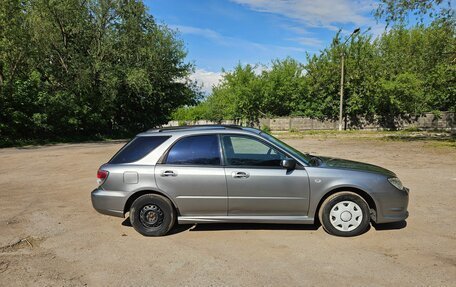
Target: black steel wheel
[{"x": 152, "y": 215}]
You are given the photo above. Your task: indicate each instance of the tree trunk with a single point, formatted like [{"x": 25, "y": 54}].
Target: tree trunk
[{"x": 1, "y": 76}]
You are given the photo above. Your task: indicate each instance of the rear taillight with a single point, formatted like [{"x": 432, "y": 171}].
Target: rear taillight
[{"x": 102, "y": 175}]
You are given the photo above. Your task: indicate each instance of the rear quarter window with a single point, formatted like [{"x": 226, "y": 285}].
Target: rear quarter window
[{"x": 137, "y": 148}]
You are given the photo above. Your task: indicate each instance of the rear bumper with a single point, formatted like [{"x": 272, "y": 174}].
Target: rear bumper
[
  {"x": 108, "y": 202},
  {"x": 393, "y": 206}
]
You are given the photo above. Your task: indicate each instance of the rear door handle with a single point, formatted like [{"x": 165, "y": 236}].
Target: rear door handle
[
  {"x": 168, "y": 173},
  {"x": 240, "y": 174}
]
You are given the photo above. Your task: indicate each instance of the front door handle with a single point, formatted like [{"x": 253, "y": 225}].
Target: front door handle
[
  {"x": 240, "y": 174},
  {"x": 168, "y": 173}
]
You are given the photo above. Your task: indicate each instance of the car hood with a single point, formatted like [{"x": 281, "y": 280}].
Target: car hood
[{"x": 339, "y": 163}]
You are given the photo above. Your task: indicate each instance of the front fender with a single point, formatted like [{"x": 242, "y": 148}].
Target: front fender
[{"x": 323, "y": 181}]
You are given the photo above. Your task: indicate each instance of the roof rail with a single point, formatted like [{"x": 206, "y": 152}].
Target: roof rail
[{"x": 214, "y": 126}]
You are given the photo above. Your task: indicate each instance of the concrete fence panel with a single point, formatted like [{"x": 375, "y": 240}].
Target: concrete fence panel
[{"x": 440, "y": 121}]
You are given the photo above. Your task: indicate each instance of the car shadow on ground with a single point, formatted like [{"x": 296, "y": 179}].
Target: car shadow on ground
[
  {"x": 252, "y": 226},
  {"x": 390, "y": 226},
  {"x": 178, "y": 228}
]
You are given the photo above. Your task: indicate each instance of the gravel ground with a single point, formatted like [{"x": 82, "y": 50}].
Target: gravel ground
[{"x": 50, "y": 235}]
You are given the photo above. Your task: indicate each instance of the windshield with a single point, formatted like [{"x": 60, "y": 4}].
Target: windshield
[{"x": 303, "y": 156}]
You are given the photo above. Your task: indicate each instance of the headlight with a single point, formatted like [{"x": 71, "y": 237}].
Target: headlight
[{"x": 396, "y": 182}]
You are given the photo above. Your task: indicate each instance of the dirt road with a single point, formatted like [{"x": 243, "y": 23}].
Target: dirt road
[{"x": 50, "y": 235}]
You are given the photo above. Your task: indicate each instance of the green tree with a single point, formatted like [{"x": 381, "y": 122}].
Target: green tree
[
  {"x": 399, "y": 11},
  {"x": 283, "y": 87},
  {"x": 192, "y": 113},
  {"x": 398, "y": 98},
  {"x": 323, "y": 81},
  {"x": 149, "y": 62},
  {"x": 428, "y": 54},
  {"x": 78, "y": 69},
  {"x": 238, "y": 96}
]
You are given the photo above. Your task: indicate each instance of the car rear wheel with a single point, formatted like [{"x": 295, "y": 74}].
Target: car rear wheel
[
  {"x": 345, "y": 214},
  {"x": 152, "y": 215}
]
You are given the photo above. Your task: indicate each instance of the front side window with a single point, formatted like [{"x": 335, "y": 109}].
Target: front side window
[
  {"x": 137, "y": 148},
  {"x": 195, "y": 150},
  {"x": 303, "y": 156},
  {"x": 246, "y": 151}
]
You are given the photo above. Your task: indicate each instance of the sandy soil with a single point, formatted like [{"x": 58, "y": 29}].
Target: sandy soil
[{"x": 50, "y": 235}]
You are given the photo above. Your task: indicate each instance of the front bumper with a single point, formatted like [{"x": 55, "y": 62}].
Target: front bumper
[
  {"x": 393, "y": 206},
  {"x": 108, "y": 202}
]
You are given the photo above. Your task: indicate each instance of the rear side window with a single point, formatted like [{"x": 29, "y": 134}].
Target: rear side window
[
  {"x": 138, "y": 148},
  {"x": 195, "y": 150}
]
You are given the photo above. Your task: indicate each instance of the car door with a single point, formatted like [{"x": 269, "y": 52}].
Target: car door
[
  {"x": 257, "y": 184},
  {"x": 191, "y": 172}
]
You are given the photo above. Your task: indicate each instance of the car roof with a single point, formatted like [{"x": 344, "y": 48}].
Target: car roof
[{"x": 198, "y": 129}]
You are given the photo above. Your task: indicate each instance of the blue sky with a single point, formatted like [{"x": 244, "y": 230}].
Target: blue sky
[{"x": 221, "y": 33}]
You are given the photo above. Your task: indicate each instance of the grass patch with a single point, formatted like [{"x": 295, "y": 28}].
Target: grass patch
[
  {"x": 450, "y": 143},
  {"x": 22, "y": 143},
  {"x": 431, "y": 138},
  {"x": 434, "y": 138}
]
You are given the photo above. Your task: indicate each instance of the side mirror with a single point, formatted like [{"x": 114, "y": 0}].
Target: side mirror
[{"x": 288, "y": 163}]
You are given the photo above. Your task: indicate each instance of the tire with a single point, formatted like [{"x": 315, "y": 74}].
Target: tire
[
  {"x": 345, "y": 214},
  {"x": 152, "y": 215}
]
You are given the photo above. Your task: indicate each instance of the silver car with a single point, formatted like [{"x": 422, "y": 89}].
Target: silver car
[{"x": 223, "y": 173}]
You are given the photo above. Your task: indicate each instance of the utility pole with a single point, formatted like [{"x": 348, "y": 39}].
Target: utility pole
[
  {"x": 341, "y": 89},
  {"x": 342, "y": 58}
]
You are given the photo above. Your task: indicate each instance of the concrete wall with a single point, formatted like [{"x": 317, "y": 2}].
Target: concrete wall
[
  {"x": 297, "y": 124},
  {"x": 446, "y": 121}
]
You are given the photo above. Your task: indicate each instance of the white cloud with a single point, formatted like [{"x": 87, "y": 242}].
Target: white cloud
[
  {"x": 233, "y": 41},
  {"x": 377, "y": 30},
  {"x": 307, "y": 41},
  {"x": 215, "y": 36},
  {"x": 207, "y": 79},
  {"x": 296, "y": 29},
  {"x": 207, "y": 33},
  {"x": 259, "y": 69},
  {"x": 317, "y": 13}
]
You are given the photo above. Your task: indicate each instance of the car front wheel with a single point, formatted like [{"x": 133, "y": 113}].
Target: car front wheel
[
  {"x": 152, "y": 215},
  {"x": 345, "y": 214}
]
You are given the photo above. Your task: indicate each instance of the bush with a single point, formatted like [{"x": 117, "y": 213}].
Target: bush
[{"x": 266, "y": 129}]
